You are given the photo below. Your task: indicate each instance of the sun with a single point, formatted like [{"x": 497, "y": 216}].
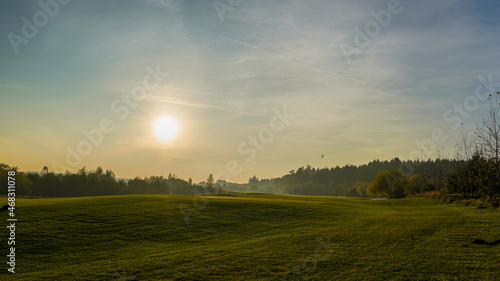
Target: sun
[{"x": 165, "y": 128}]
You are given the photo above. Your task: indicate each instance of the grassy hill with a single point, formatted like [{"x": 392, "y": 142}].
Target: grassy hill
[{"x": 252, "y": 237}]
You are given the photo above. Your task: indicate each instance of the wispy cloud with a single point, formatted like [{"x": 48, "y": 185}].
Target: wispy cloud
[
  {"x": 225, "y": 78},
  {"x": 171, "y": 100},
  {"x": 194, "y": 91}
]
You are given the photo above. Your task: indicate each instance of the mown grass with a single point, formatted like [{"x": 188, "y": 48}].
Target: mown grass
[{"x": 252, "y": 237}]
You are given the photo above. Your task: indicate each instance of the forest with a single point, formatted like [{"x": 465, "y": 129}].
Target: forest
[{"x": 351, "y": 180}]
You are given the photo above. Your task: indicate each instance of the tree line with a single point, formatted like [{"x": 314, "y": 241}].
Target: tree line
[
  {"x": 91, "y": 183},
  {"x": 352, "y": 180},
  {"x": 349, "y": 180}
]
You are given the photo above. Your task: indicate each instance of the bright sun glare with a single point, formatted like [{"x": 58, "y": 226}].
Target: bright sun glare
[{"x": 165, "y": 128}]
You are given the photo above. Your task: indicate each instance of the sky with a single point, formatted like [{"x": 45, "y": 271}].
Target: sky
[{"x": 256, "y": 87}]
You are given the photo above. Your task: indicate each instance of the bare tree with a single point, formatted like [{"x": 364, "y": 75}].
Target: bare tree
[
  {"x": 466, "y": 145},
  {"x": 488, "y": 132}
]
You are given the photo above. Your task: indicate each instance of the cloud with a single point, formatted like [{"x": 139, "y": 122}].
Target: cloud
[
  {"x": 177, "y": 101},
  {"x": 226, "y": 77}
]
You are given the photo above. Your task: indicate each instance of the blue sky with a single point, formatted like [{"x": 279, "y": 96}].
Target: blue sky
[{"x": 227, "y": 72}]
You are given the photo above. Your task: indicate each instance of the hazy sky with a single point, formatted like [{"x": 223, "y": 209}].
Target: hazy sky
[{"x": 231, "y": 66}]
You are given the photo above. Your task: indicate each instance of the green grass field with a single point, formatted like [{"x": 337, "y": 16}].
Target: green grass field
[{"x": 252, "y": 237}]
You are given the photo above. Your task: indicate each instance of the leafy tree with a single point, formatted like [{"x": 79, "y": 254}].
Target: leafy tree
[
  {"x": 210, "y": 180},
  {"x": 416, "y": 184},
  {"x": 253, "y": 180},
  {"x": 389, "y": 182},
  {"x": 22, "y": 183},
  {"x": 353, "y": 193},
  {"x": 4, "y": 169},
  {"x": 361, "y": 188}
]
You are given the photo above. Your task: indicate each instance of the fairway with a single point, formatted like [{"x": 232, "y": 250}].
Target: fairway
[{"x": 253, "y": 237}]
